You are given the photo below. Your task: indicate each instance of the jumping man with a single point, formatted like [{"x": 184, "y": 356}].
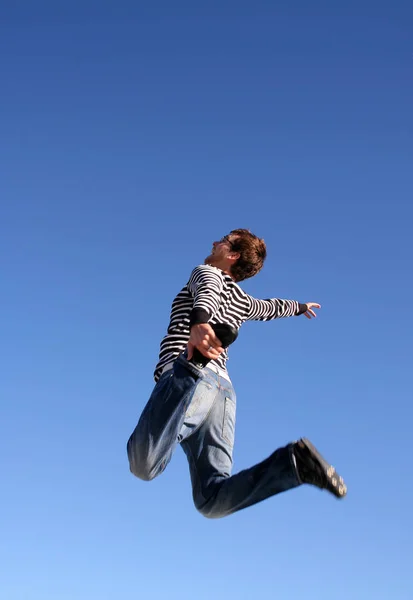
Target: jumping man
[{"x": 195, "y": 407}]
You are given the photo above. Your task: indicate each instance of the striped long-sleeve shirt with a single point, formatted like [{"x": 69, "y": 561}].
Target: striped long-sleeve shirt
[{"x": 211, "y": 296}]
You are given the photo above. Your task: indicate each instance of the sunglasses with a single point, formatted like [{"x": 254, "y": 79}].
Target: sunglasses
[{"x": 226, "y": 240}]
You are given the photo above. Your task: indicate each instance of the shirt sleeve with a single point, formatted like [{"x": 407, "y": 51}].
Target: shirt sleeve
[
  {"x": 205, "y": 285},
  {"x": 274, "y": 308}
]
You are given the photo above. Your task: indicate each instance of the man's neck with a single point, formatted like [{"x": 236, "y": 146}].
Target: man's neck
[{"x": 222, "y": 267}]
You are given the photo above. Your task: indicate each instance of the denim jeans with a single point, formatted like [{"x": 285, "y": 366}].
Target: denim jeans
[{"x": 196, "y": 408}]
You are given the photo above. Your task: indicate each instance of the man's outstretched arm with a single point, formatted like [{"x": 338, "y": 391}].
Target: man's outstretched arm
[{"x": 277, "y": 308}]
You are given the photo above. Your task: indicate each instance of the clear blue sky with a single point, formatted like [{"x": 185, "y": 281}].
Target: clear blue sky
[{"x": 131, "y": 138}]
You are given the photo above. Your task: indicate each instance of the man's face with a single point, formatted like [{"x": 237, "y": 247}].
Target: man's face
[{"x": 220, "y": 251}]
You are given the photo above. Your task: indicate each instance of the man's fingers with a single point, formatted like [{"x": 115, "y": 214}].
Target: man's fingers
[
  {"x": 211, "y": 354},
  {"x": 212, "y": 350},
  {"x": 208, "y": 343},
  {"x": 205, "y": 349},
  {"x": 310, "y": 314},
  {"x": 213, "y": 340},
  {"x": 204, "y": 339},
  {"x": 208, "y": 349}
]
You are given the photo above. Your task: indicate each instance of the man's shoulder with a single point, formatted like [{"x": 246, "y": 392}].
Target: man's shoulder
[
  {"x": 206, "y": 275},
  {"x": 208, "y": 270}
]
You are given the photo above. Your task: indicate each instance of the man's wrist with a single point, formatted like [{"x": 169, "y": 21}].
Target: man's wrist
[
  {"x": 302, "y": 308},
  {"x": 198, "y": 316}
]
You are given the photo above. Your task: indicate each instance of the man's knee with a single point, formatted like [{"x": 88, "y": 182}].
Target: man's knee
[
  {"x": 209, "y": 509},
  {"x": 211, "y": 512},
  {"x": 139, "y": 464},
  {"x": 141, "y": 470}
]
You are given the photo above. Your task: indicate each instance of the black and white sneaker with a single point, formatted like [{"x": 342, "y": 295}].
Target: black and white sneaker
[{"x": 312, "y": 468}]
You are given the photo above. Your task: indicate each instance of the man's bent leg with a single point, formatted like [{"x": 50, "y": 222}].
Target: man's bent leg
[
  {"x": 154, "y": 439},
  {"x": 209, "y": 450}
]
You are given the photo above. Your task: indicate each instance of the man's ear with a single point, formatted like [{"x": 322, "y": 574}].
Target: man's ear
[{"x": 234, "y": 256}]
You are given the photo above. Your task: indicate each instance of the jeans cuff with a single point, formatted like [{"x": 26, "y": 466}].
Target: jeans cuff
[{"x": 293, "y": 462}]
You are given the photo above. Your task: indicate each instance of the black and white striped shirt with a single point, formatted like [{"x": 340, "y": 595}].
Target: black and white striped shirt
[{"x": 211, "y": 296}]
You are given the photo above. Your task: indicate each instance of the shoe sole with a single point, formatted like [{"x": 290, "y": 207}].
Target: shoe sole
[{"x": 335, "y": 483}]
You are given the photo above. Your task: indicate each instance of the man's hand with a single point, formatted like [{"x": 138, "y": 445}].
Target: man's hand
[
  {"x": 309, "y": 312},
  {"x": 203, "y": 337}
]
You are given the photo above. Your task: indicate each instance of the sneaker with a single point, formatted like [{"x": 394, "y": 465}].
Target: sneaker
[{"x": 312, "y": 468}]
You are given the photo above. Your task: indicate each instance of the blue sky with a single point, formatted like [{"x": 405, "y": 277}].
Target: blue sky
[{"x": 131, "y": 138}]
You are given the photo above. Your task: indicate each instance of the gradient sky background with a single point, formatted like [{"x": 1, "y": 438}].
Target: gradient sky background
[{"x": 132, "y": 136}]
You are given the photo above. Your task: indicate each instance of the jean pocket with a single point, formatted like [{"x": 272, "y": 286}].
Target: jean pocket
[
  {"x": 228, "y": 426},
  {"x": 201, "y": 396}
]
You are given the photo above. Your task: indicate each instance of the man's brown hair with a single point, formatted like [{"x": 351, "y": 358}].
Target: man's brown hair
[{"x": 253, "y": 252}]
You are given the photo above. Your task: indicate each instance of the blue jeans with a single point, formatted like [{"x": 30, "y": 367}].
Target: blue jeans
[{"x": 196, "y": 408}]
